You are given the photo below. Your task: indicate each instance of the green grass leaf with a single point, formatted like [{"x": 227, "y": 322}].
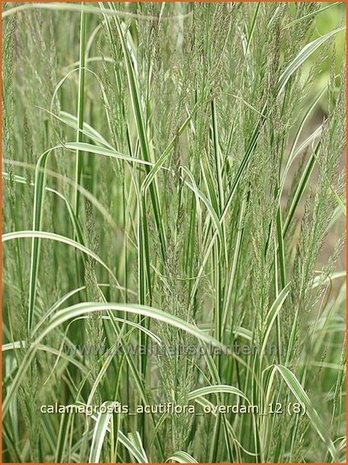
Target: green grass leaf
[{"x": 302, "y": 397}]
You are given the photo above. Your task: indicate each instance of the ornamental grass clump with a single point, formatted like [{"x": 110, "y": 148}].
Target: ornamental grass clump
[{"x": 173, "y": 215}]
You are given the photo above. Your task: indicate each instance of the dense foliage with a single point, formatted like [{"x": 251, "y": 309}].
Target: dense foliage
[{"x": 173, "y": 227}]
